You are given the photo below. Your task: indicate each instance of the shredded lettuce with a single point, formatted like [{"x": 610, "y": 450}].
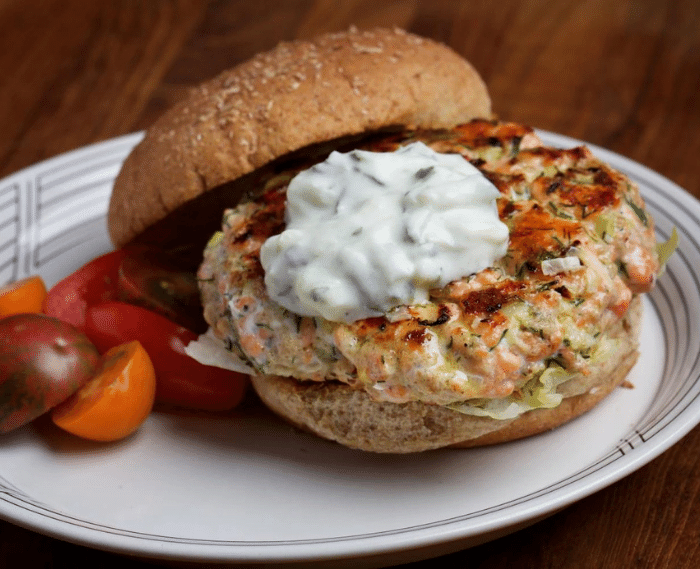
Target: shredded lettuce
[
  {"x": 539, "y": 392},
  {"x": 665, "y": 250},
  {"x": 605, "y": 226},
  {"x": 215, "y": 239}
]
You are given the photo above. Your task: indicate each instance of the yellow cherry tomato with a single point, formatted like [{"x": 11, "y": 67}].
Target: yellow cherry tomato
[
  {"x": 21, "y": 297},
  {"x": 116, "y": 401}
]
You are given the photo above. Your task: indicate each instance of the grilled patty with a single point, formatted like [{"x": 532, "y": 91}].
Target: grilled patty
[{"x": 581, "y": 247}]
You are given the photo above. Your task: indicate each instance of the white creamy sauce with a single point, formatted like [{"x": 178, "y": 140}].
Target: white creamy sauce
[{"x": 369, "y": 231}]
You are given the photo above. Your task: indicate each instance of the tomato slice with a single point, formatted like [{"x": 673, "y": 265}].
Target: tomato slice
[
  {"x": 116, "y": 401},
  {"x": 22, "y": 297},
  {"x": 181, "y": 380},
  {"x": 93, "y": 283},
  {"x": 153, "y": 279}
]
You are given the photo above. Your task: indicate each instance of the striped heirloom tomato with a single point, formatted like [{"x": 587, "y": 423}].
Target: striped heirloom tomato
[{"x": 42, "y": 362}]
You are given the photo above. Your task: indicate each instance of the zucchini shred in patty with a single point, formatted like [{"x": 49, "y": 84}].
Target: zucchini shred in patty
[{"x": 519, "y": 335}]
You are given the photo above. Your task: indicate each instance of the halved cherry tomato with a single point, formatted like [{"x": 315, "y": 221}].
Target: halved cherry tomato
[
  {"x": 116, "y": 401},
  {"x": 21, "y": 297},
  {"x": 43, "y": 361},
  {"x": 154, "y": 279},
  {"x": 93, "y": 283},
  {"x": 181, "y": 380}
]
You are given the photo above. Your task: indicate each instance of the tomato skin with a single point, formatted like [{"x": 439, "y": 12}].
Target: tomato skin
[
  {"x": 116, "y": 401},
  {"x": 180, "y": 380},
  {"x": 153, "y": 279},
  {"x": 42, "y": 362},
  {"x": 137, "y": 275},
  {"x": 93, "y": 283},
  {"x": 24, "y": 296}
]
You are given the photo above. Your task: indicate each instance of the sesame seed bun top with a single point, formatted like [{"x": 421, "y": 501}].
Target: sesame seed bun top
[{"x": 297, "y": 94}]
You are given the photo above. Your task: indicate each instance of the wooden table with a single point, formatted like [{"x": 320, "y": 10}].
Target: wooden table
[{"x": 621, "y": 74}]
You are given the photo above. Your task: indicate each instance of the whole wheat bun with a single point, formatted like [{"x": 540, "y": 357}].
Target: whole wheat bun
[
  {"x": 299, "y": 93},
  {"x": 349, "y": 416}
]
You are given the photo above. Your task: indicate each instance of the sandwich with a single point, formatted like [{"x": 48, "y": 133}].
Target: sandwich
[{"x": 395, "y": 268}]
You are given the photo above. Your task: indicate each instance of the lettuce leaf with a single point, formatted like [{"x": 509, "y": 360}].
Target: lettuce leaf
[
  {"x": 665, "y": 250},
  {"x": 538, "y": 393}
]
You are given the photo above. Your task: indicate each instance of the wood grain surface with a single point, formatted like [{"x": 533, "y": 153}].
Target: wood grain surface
[{"x": 621, "y": 74}]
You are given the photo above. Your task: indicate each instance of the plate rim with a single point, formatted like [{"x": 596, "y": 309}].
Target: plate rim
[{"x": 425, "y": 535}]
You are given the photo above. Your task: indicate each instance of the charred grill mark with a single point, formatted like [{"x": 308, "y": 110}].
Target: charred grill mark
[
  {"x": 490, "y": 300},
  {"x": 553, "y": 187},
  {"x": 590, "y": 198},
  {"x": 552, "y": 156},
  {"x": 443, "y": 316},
  {"x": 603, "y": 178},
  {"x": 268, "y": 219},
  {"x": 254, "y": 268},
  {"x": 371, "y": 325},
  {"x": 578, "y": 153},
  {"x": 563, "y": 291},
  {"x": 416, "y": 337},
  {"x": 479, "y": 131},
  {"x": 504, "y": 182},
  {"x": 506, "y": 208},
  {"x": 536, "y": 234},
  {"x": 243, "y": 236}
]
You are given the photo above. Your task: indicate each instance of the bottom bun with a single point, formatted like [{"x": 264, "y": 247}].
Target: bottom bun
[{"x": 352, "y": 418}]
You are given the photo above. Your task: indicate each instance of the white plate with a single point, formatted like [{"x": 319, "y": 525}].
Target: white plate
[{"x": 247, "y": 488}]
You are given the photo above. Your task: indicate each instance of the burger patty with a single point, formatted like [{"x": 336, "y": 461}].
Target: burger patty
[{"x": 581, "y": 247}]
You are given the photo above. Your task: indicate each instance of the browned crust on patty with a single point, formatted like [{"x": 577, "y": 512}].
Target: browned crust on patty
[
  {"x": 340, "y": 413},
  {"x": 297, "y": 94}
]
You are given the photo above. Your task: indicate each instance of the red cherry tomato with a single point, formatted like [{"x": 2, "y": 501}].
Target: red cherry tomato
[
  {"x": 180, "y": 380},
  {"x": 93, "y": 283},
  {"x": 42, "y": 362},
  {"x": 154, "y": 279}
]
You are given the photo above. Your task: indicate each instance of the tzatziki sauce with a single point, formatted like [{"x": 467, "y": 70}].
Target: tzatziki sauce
[{"x": 369, "y": 231}]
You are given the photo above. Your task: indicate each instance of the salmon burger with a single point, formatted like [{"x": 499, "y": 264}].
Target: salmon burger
[{"x": 397, "y": 270}]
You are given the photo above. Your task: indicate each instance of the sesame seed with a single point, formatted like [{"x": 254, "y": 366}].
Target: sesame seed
[{"x": 360, "y": 48}]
